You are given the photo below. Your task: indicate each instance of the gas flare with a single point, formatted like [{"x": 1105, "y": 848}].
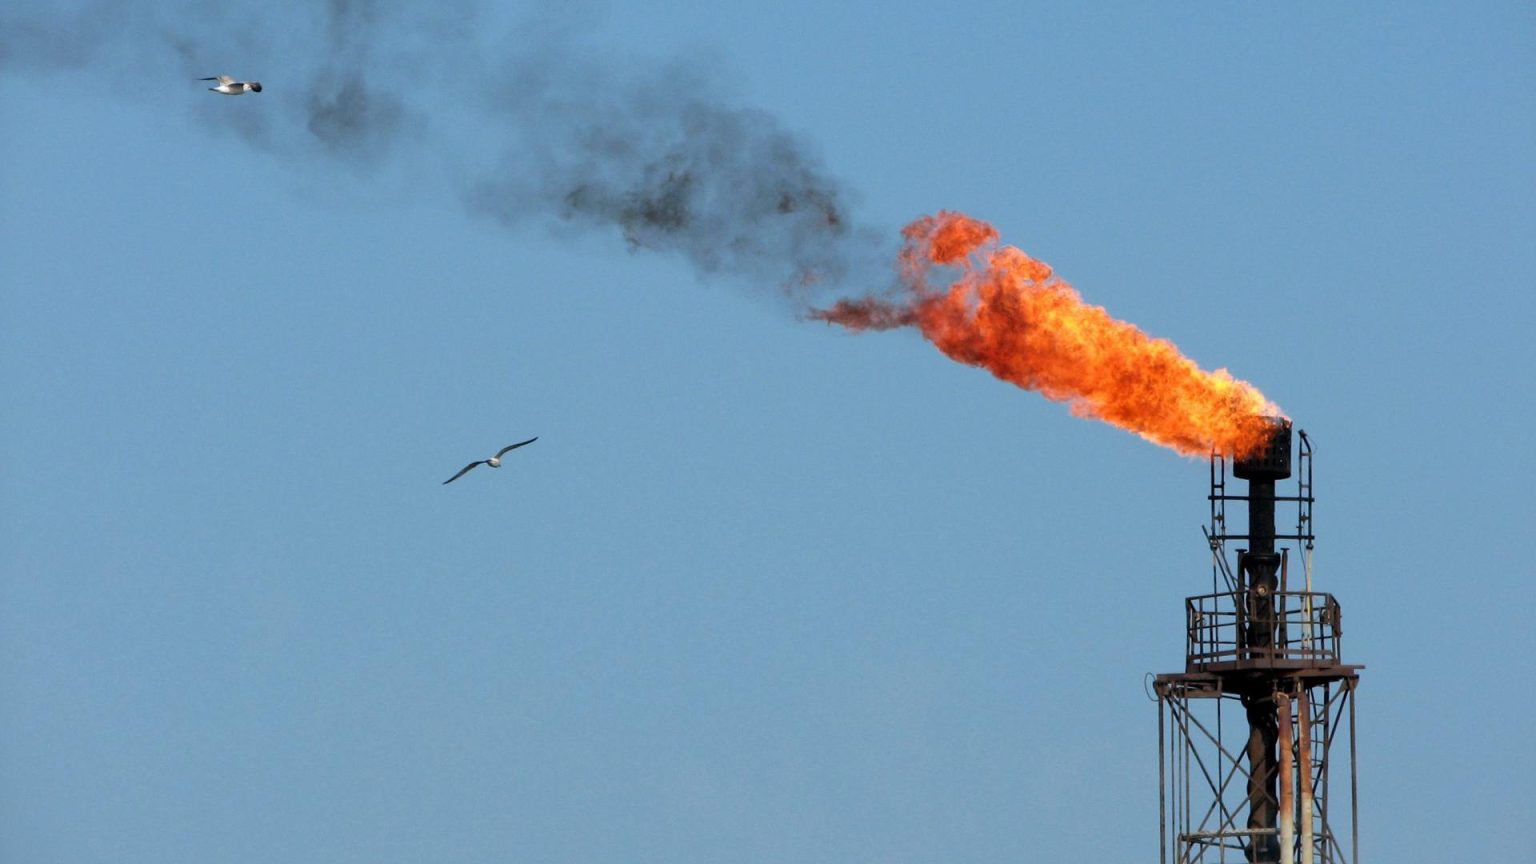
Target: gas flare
[{"x": 1009, "y": 314}]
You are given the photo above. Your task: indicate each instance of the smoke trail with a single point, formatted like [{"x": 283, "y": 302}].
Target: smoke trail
[
  {"x": 657, "y": 155},
  {"x": 344, "y": 114},
  {"x": 675, "y": 168}
]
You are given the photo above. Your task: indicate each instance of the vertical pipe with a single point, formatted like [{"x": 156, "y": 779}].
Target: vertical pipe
[
  {"x": 1162, "y": 786},
  {"x": 1263, "y": 732},
  {"x": 1282, "y": 633},
  {"x": 1186, "y": 822},
  {"x": 1258, "y": 568},
  {"x": 1262, "y": 735},
  {"x": 1287, "y": 767},
  {"x": 1354, "y": 789},
  {"x": 1306, "y": 625},
  {"x": 1304, "y": 766}
]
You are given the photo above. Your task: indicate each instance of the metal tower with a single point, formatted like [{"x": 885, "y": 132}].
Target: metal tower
[{"x": 1251, "y": 733}]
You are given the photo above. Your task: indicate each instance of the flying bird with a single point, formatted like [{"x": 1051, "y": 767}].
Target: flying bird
[
  {"x": 494, "y": 461},
  {"x": 230, "y": 87}
]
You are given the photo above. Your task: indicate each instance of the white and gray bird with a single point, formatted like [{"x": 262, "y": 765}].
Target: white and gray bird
[
  {"x": 230, "y": 87},
  {"x": 494, "y": 461}
]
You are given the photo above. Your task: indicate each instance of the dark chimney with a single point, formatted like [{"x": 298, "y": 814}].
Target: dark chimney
[{"x": 1259, "y": 567}]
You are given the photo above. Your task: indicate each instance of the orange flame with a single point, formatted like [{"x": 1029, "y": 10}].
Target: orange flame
[{"x": 1008, "y": 314}]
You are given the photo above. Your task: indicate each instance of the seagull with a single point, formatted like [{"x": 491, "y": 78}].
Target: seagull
[
  {"x": 230, "y": 87},
  {"x": 494, "y": 461}
]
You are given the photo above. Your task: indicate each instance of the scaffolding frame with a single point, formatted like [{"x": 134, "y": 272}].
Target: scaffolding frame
[
  {"x": 1203, "y": 769},
  {"x": 1296, "y": 680}
]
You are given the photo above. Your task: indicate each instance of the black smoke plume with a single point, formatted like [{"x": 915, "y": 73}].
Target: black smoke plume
[{"x": 655, "y": 153}]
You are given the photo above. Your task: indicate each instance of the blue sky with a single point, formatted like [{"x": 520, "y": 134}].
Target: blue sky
[{"x": 763, "y": 590}]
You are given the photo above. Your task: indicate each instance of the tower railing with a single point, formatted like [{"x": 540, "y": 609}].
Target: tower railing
[{"x": 1304, "y": 632}]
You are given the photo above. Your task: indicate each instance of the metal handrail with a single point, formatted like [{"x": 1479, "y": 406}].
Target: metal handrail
[{"x": 1304, "y": 628}]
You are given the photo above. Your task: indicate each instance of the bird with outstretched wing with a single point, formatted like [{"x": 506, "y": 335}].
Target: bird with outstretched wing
[{"x": 494, "y": 461}]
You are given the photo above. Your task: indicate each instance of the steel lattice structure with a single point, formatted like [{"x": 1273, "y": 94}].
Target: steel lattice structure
[{"x": 1252, "y": 735}]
